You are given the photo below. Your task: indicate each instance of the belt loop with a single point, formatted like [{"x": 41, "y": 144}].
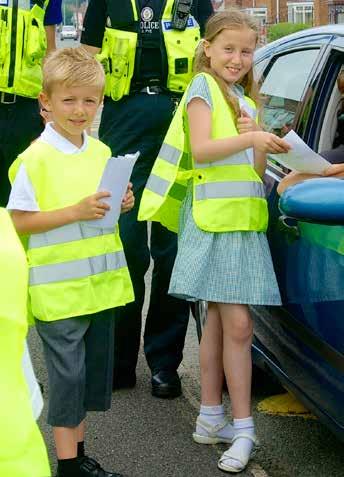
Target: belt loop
[{"x": 3, "y": 98}]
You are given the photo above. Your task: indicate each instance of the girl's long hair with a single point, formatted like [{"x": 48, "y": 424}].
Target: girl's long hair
[{"x": 231, "y": 19}]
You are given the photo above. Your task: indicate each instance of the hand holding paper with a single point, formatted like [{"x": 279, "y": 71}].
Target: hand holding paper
[
  {"x": 301, "y": 157},
  {"x": 115, "y": 180},
  {"x": 128, "y": 200}
]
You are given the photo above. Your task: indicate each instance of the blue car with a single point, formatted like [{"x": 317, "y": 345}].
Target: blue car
[{"x": 302, "y": 342}]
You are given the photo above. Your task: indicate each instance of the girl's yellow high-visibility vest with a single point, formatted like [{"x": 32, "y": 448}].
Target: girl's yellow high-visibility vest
[
  {"x": 22, "y": 450},
  {"x": 119, "y": 52},
  {"x": 228, "y": 194},
  {"x": 77, "y": 269},
  {"x": 22, "y": 46}
]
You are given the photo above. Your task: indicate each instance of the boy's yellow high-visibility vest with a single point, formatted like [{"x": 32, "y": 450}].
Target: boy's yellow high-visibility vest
[
  {"x": 76, "y": 269},
  {"x": 228, "y": 194},
  {"x": 22, "y": 46},
  {"x": 22, "y": 450},
  {"x": 119, "y": 52}
]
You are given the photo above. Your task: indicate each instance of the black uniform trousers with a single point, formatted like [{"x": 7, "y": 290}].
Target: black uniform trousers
[
  {"x": 20, "y": 124},
  {"x": 139, "y": 122}
]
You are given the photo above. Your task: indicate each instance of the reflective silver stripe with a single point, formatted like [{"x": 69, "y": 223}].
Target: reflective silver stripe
[
  {"x": 66, "y": 233},
  {"x": 76, "y": 269},
  {"x": 222, "y": 190},
  {"x": 157, "y": 185},
  {"x": 235, "y": 160},
  {"x": 169, "y": 153}
]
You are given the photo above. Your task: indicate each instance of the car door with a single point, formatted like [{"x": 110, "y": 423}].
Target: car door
[{"x": 303, "y": 341}]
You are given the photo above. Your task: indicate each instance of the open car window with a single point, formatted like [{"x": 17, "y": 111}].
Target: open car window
[{"x": 282, "y": 88}]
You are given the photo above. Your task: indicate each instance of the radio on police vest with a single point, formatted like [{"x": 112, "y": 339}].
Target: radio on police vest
[{"x": 180, "y": 14}]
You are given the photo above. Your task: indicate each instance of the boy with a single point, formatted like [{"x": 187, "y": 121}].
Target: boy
[{"x": 78, "y": 273}]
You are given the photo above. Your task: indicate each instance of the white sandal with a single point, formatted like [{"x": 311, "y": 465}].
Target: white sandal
[
  {"x": 241, "y": 458},
  {"x": 212, "y": 436}
]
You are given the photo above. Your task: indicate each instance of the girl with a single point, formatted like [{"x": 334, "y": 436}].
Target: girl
[{"x": 223, "y": 255}]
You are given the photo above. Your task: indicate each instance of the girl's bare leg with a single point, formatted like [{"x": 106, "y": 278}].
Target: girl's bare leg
[
  {"x": 212, "y": 426},
  {"x": 211, "y": 359},
  {"x": 237, "y": 339}
]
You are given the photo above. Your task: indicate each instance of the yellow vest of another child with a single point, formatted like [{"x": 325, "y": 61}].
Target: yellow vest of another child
[
  {"x": 76, "y": 269},
  {"x": 228, "y": 195},
  {"x": 22, "y": 450}
]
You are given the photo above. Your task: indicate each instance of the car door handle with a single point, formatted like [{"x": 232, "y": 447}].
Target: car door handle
[{"x": 289, "y": 225}]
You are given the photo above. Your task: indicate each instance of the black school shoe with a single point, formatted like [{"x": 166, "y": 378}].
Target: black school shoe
[
  {"x": 91, "y": 468},
  {"x": 166, "y": 384}
]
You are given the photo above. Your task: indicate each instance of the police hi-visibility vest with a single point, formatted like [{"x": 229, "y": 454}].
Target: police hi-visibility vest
[
  {"x": 228, "y": 194},
  {"x": 76, "y": 269},
  {"x": 119, "y": 51},
  {"x": 22, "y": 46},
  {"x": 22, "y": 450}
]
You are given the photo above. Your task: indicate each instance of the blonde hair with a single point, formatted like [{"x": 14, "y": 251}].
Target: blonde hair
[
  {"x": 72, "y": 67},
  {"x": 231, "y": 19}
]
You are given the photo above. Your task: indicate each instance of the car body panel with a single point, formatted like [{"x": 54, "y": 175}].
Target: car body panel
[{"x": 302, "y": 342}]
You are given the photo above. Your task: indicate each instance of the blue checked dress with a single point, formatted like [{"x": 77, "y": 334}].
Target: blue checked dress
[{"x": 223, "y": 267}]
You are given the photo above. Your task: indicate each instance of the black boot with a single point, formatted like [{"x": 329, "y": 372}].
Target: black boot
[{"x": 166, "y": 384}]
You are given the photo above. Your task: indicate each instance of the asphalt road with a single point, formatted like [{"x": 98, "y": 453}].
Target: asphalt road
[{"x": 142, "y": 436}]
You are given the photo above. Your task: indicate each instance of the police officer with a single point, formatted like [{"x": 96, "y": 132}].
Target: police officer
[
  {"x": 147, "y": 49},
  {"x": 27, "y": 30}
]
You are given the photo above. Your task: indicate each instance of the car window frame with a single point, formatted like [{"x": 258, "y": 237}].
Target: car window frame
[
  {"x": 278, "y": 171},
  {"x": 322, "y": 90}
]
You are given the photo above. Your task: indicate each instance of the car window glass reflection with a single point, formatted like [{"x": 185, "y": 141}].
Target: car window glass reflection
[{"x": 282, "y": 89}]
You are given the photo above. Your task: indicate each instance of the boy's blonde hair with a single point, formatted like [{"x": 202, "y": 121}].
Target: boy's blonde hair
[
  {"x": 72, "y": 67},
  {"x": 231, "y": 19}
]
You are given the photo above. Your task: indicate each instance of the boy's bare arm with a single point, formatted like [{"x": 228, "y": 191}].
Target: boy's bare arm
[{"x": 90, "y": 208}]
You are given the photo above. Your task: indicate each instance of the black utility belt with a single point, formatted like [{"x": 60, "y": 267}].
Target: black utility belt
[
  {"x": 154, "y": 89},
  {"x": 151, "y": 90},
  {"x": 10, "y": 98}
]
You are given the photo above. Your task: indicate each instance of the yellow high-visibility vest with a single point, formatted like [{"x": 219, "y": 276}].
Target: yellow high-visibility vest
[
  {"x": 22, "y": 47},
  {"x": 119, "y": 52},
  {"x": 228, "y": 194},
  {"x": 22, "y": 450},
  {"x": 76, "y": 269}
]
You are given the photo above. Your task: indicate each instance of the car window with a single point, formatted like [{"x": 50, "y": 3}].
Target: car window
[
  {"x": 259, "y": 67},
  {"x": 282, "y": 89}
]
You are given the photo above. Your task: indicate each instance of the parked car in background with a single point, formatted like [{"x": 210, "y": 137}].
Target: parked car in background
[
  {"x": 69, "y": 32},
  {"x": 302, "y": 342}
]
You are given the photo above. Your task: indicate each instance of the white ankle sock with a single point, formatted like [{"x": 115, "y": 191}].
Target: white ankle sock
[
  {"x": 214, "y": 415},
  {"x": 242, "y": 446}
]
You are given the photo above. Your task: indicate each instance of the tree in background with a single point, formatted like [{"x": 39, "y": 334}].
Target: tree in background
[{"x": 282, "y": 29}]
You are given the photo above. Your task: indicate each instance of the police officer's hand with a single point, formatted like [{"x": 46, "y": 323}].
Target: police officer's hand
[
  {"x": 92, "y": 207},
  {"x": 128, "y": 200},
  {"x": 246, "y": 124}
]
